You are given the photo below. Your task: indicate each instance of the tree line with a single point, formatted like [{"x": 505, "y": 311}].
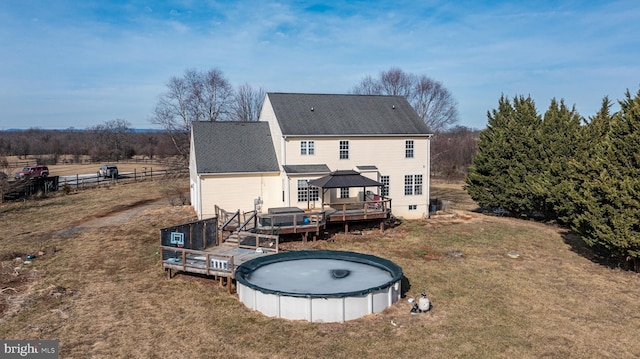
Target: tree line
[
  {"x": 452, "y": 152},
  {"x": 582, "y": 173},
  {"x": 452, "y": 149},
  {"x": 110, "y": 141}
]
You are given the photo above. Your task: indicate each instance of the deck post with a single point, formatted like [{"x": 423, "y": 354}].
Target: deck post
[
  {"x": 206, "y": 264},
  {"x": 191, "y": 237}
]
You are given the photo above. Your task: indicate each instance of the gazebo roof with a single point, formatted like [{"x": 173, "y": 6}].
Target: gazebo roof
[{"x": 348, "y": 178}]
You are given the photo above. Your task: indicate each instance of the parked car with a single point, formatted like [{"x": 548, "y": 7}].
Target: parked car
[
  {"x": 108, "y": 171},
  {"x": 32, "y": 172}
]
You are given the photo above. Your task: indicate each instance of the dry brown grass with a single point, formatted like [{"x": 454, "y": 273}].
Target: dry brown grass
[
  {"x": 453, "y": 193},
  {"x": 103, "y": 293}
]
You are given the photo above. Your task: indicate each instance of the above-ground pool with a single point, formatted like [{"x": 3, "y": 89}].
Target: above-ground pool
[{"x": 319, "y": 286}]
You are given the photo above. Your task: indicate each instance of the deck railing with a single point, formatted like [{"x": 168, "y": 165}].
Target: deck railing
[
  {"x": 228, "y": 218},
  {"x": 259, "y": 242},
  {"x": 370, "y": 208},
  {"x": 203, "y": 262},
  {"x": 293, "y": 222}
]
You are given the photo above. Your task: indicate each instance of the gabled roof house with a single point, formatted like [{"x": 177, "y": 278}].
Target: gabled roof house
[{"x": 301, "y": 138}]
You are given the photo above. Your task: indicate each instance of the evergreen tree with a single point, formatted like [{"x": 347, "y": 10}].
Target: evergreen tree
[
  {"x": 607, "y": 195},
  {"x": 559, "y": 137},
  {"x": 588, "y": 162},
  {"x": 507, "y": 159}
]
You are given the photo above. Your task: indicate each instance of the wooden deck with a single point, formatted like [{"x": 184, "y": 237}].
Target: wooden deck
[
  {"x": 364, "y": 214},
  {"x": 215, "y": 261},
  {"x": 219, "y": 261},
  {"x": 316, "y": 220},
  {"x": 241, "y": 237},
  {"x": 299, "y": 222}
]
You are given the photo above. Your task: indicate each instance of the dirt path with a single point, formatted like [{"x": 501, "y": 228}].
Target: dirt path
[
  {"x": 114, "y": 218},
  {"x": 122, "y": 215}
]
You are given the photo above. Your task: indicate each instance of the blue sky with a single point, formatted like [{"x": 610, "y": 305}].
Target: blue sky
[{"x": 68, "y": 63}]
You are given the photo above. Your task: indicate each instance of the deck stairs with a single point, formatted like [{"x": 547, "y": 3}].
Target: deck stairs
[
  {"x": 232, "y": 239},
  {"x": 233, "y": 224}
]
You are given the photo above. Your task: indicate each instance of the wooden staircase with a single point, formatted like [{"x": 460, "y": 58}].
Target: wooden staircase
[{"x": 232, "y": 240}]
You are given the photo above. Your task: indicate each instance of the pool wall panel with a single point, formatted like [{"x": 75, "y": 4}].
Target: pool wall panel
[{"x": 318, "y": 307}]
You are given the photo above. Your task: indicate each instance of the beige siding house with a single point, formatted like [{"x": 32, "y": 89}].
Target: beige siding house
[
  {"x": 309, "y": 136},
  {"x": 232, "y": 165}
]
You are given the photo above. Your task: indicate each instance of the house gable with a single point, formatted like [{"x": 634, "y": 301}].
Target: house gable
[{"x": 233, "y": 147}]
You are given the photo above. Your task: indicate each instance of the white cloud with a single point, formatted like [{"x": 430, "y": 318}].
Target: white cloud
[{"x": 101, "y": 61}]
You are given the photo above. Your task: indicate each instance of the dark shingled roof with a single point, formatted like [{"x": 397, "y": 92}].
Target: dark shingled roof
[
  {"x": 300, "y": 169},
  {"x": 349, "y": 178},
  {"x": 327, "y": 114},
  {"x": 367, "y": 168},
  {"x": 233, "y": 147}
]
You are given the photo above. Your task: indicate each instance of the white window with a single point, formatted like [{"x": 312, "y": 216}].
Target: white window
[
  {"x": 385, "y": 189},
  {"x": 413, "y": 207},
  {"x": 408, "y": 149},
  {"x": 344, "y": 192},
  {"x": 306, "y": 192},
  {"x": 344, "y": 150},
  {"x": 307, "y": 148},
  {"x": 408, "y": 185},
  {"x": 303, "y": 192},
  {"x": 417, "y": 184},
  {"x": 412, "y": 185}
]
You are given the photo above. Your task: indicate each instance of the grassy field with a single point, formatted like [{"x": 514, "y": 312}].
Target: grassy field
[
  {"x": 73, "y": 169},
  {"x": 70, "y": 170},
  {"x": 97, "y": 286}
]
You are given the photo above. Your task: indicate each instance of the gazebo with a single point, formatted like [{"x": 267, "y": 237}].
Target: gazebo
[
  {"x": 376, "y": 208},
  {"x": 342, "y": 179}
]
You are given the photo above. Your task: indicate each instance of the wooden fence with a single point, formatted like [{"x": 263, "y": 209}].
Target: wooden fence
[
  {"x": 80, "y": 181},
  {"x": 18, "y": 189}
]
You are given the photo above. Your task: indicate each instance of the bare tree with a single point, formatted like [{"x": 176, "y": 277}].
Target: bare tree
[
  {"x": 431, "y": 100},
  {"x": 111, "y": 141},
  {"x": 210, "y": 95},
  {"x": 197, "y": 96},
  {"x": 247, "y": 103},
  {"x": 396, "y": 82},
  {"x": 434, "y": 104},
  {"x": 368, "y": 86}
]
